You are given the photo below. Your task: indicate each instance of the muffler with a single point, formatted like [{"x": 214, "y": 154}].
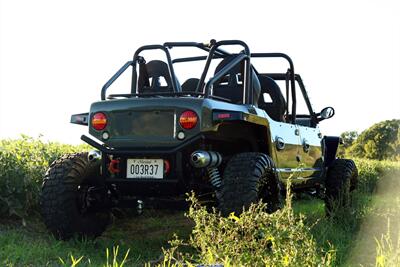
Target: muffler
[
  {"x": 205, "y": 159},
  {"x": 94, "y": 155}
]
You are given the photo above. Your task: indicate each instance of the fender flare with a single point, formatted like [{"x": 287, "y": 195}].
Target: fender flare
[{"x": 329, "y": 146}]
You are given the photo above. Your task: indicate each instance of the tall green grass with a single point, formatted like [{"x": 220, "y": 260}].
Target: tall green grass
[
  {"x": 302, "y": 236},
  {"x": 387, "y": 249},
  {"x": 23, "y": 163},
  {"x": 254, "y": 238},
  {"x": 112, "y": 260},
  {"x": 295, "y": 236}
]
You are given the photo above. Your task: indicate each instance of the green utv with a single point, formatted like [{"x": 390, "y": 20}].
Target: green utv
[{"x": 233, "y": 136}]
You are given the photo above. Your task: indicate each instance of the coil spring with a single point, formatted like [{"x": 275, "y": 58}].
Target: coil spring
[{"x": 215, "y": 177}]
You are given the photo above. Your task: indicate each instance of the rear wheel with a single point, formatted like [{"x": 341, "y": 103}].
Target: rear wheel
[
  {"x": 341, "y": 179},
  {"x": 72, "y": 199},
  {"x": 249, "y": 177}
]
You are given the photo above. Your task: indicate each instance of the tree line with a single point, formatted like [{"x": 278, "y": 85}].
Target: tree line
[{"x": 381, "y": 141}]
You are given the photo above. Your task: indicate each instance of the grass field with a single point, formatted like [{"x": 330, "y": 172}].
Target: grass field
[
  {"x": 31, "y": 245},
  {"x": 353, "y": 237},
  {"x": 367, "y": 234}
]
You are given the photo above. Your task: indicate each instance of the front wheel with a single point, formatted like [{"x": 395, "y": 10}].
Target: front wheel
[
  {"x": 341, "y": 179},
  {"x": 249, "y": 177},
  {"x": 72, "y": 198}
]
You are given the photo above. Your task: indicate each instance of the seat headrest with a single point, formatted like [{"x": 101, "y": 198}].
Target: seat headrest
[
  {"x": 234, "y": 77},
  {"x": 190, "y": 85},
  {"x": 276, "y": 109},
  {"x": 154, "y": 70},
  {"x": 272, "y": 88},
  {"x": 237, "y": 69}
]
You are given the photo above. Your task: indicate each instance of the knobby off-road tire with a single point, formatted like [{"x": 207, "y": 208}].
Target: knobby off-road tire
[
  {"x": 249, "y": 177},
  {"x": 63, "y": 197},
  {"x": 341, "y": 179}
]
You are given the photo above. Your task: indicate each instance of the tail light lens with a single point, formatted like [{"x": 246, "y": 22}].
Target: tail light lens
[
  {"x": 99, "y": 121},
  {"x": 188, "y": 119}
]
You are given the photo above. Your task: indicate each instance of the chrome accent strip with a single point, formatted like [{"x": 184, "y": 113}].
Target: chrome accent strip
[{"x": 297, "y": 169}]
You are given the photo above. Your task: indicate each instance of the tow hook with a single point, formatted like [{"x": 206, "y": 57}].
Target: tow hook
[
  {"x": 114, "y": 166},
  {"x": 139, "y": 207}
]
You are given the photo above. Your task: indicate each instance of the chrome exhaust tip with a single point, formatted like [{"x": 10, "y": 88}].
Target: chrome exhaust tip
[
  {"x": 203, "y": 159},
  {"x": 94, "y": 155}
]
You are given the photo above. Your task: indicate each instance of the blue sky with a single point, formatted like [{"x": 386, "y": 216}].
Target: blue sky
[{"x": 56, "y": 55}]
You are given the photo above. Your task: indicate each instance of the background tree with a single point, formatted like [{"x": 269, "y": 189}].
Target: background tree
[
  {"x": 380, "y": 141},
  {"x": 348, "y": 138}
]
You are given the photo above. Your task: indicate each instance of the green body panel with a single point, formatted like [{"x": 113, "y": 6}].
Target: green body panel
[
  {"x": 148, "y": 112},
  {"x": 293, "y": 161},
  {"x": 154, "y": 123},
  {"x": 311, "y": 159}
]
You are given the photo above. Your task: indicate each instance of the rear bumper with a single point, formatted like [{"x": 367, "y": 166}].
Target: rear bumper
[
  {"x": 140, "y": 151},
  {"x": 173, "y": 183}
]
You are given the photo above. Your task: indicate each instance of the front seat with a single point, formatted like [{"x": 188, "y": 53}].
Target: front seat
[
  {"x": 231, "y": 85},
  {"x": 276, "y": 108},
  {"x": 154, "y": 77}
]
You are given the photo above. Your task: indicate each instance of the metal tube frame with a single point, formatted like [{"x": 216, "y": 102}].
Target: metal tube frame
[
  {"x": 297, "y": 77},
  {"x": 175, "y": 86},
  {"x": 292, "y": 77},
  {"x": 168, "y": 45},
  {"x": 246, "y": 79},
  {"x": 239, "y": 58},
  {"x": 113, "y": 78},
  {"x": 214, "y": 51}
]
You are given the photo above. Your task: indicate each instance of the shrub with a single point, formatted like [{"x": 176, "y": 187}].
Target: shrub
[
  {"x": 255, "y": 238},
  {"x": 370, "y": 171},
  {"x": 23, "y": 163}
]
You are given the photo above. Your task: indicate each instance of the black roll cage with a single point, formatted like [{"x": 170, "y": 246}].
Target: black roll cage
[{"x": 203, "y": 89}]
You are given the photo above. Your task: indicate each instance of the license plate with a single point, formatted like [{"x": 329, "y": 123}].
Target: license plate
[{"x": 145, "y": 168}]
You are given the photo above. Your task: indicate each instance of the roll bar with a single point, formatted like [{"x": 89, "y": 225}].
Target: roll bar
[{"x": 214, "y": 51}]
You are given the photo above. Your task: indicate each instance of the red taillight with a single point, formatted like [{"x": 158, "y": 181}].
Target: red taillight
[
  {"x": 188, "y": 119},
  {"x": 99, "y": 121}
]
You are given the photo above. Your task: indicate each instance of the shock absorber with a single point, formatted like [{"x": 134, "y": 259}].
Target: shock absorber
[
  {"x": 215, "y": 177},
  {"x": 209, "y": 160}
]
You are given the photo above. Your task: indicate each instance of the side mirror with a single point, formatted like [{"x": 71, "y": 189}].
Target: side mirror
[{"x": 326, "y": 113}]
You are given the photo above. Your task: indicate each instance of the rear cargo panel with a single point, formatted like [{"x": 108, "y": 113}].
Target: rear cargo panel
[
  {"x": 143, "y": 124},
  {"x": 154, "y": 122},
  {"x": 146, "y": 122}
]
